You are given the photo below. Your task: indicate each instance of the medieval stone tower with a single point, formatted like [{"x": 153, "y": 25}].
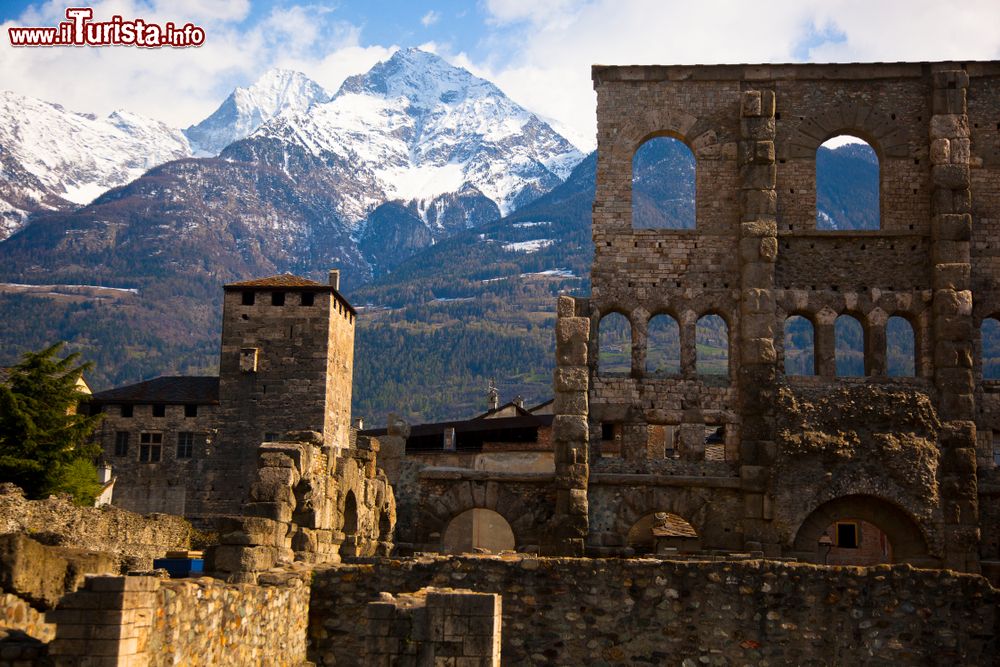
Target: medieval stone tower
[{"x": 287, "y": 360}]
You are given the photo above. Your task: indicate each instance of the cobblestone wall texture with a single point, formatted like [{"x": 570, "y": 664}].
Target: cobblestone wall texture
[{"x": 617, "y": 612}]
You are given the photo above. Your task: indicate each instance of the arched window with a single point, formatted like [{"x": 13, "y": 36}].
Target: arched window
[
  {"x": 847, "y": 185},
  {"x": 800, "y": 347},
  {"x": 477, "y": 528},
  {"x": 663, "y": 347},
  {"x": 663, "y": 187},
  {"x": 850, "y": 346},
  {"x": 712, "y": 340},
  {"x": 901, "y": 348},
  {"x": 990, "y": 334},
  {"x": 615, "y": 340}
]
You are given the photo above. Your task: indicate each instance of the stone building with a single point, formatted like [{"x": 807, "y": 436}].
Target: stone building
[
  {"x": 909, "y": 455},
  {"x": 192, "y": 446}
]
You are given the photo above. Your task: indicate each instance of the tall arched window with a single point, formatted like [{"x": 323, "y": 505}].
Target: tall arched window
[
  {"x": 712, "y": 340},
  {"x": 850, "y": 346},
  {"x": 901, "y": 348},
  {"x": 990, "y": 333},
  {"x": 663, "y": 347},
  {"x": 847, "y": 185},
  {"x": 800, "y": 346},
  {"x": 663, "y": 189},
  {"x": 615, "y": 340}
]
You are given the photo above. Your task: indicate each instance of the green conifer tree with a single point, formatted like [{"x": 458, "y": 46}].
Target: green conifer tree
[{"x": 45, "y": 441}]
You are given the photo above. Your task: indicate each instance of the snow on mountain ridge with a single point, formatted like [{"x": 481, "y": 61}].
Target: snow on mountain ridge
[
  {"x": 417, "y": 128},
  {"x": 277, "y": 92},
  {"x": 76, "y": 155}
]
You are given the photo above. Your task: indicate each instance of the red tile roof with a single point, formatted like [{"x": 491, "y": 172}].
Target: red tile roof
[{"x": 280, "y": 280}]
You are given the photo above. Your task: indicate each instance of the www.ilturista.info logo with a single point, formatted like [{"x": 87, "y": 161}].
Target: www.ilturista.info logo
[{"x": 79, "y": 30}]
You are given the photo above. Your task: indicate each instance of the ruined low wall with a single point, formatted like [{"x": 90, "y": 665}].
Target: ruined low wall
[
  {"x": 583, "y": 611},
  {"x": 208, "y": 622},
  {"x": 17, "y": 614},
  {"x": 134, "y": 539}
]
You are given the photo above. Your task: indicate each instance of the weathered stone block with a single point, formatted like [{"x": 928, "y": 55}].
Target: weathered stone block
[
  {"x": 758, "y": 128},
  {"x": 751, "y": 106},
  {"x": 952, "y": 276},
  {"x": 227, "y": 558},
  {"x": 571, "y": 379},
  {"x": 759, "y": 228},
  {"x": 755, "y": 203},
  {"x": 953, "y": 176},
  {"x": 949, "y": 101},
  {"x": 570, "y": 403},
  {"x": 953, "y": 303},
  {"x": 758, "y": 176},
  {"x": 952, "y": 227},
  {"x": 569, "y": 428},
  {"x": 565, "y": 307},
  {"x": 949, "y": 126}
]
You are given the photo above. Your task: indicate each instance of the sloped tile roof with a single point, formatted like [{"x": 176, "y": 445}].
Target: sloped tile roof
[
  {"x": 279, "y": 280},
  {"x": 193, "y": 389}
]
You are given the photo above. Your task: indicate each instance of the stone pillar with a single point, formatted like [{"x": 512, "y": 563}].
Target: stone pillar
[
  {"x": 825, "y": 344},
  {"x": 107, "y": 623},
  {"x": 876, "y": 353},
  {"x": 570, "y": 431},
  {"x": 434, "y": 627},
  {"x": 758, "y": 315},
  {"x": 688, "y": 325},
  {"x": 951, "y": 231}
]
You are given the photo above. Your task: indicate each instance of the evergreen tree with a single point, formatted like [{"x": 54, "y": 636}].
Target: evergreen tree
[{"x": 45, "y": 443}]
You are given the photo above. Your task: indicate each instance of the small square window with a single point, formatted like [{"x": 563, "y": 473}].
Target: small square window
[
  {"x": 277, "y": 298},
  {"x": 121, "y": 443},
  {"x": 185, "y": 445},
  {"x": 248, "y": 297},
  {"x": 271, "y": 437},
  {"x": 190, "y": 410},
  {"x": 607, "y": 431},
  {"x": 126, "y": 411},
  {"x": 159, "y": 410},
  {"x": 308, "y": 298},
  {"x": 847, "y": 535},
  {"x": 150, "y": 447}
]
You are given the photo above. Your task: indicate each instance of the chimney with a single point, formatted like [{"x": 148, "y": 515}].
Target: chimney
[
  {"x": 335, "y": 278},
  {"x": 519, "y": 401},
  {"x": 359, "y": 423},
  {"x": 449, "y": 439}
]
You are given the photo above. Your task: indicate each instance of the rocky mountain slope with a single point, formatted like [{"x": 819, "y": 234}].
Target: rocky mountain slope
[{"x": 55, "y": 159}]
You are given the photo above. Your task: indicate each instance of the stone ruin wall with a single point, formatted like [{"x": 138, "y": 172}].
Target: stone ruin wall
[
  {"x": 756, "y": 258},
  {"x": 638, "y": 611}
]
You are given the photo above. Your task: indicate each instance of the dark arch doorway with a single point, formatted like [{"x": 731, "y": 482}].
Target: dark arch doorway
[
  {"x": 905, "y": 539},
  {"x": 349, "y": 546}
]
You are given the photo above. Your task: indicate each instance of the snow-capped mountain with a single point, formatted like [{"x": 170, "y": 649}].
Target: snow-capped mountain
[
  {"x": 69, "y": 158},
  {"x": 415, "y": 128},
  {"x": 277, "y": 92}
]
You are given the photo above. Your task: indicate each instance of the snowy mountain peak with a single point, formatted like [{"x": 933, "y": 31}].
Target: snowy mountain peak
[
  {"x": 423, "y": 78},
  {"x": 277, "y": 92},
  {"x": 415, "y": 128}
]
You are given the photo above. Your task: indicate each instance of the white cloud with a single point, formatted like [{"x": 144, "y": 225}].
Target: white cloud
[
  {"x": 542, "y": 51},
  {"x": 182, "y": 86},
  {"x": 430, "y": 18}
]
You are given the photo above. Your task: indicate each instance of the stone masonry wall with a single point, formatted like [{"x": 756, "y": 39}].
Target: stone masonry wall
[
  {"x": 134, "y": 539},
  {"x": 145, "y": 621},
  {"x": 617, "y": 612}
]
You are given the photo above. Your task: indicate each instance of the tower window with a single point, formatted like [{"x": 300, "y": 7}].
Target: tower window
[
  {"x": 307, "y": 298},
  {"x": 126, "y": 411},
  {"x": 277, "y": 298},
  {"x": 190, "y": 410},
  {"x": 847, "y": 535},
  {"x": 159, "y": 410},
  {"x": 248, "y": 297}
]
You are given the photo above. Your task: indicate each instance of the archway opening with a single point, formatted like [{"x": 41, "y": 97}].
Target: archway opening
[
  {"x": 835, "y": 533},
  {"x": 350, "y": 526},
  {"x": 477, "y": 530},
  {"x": 663, "y": 185},
  {"x": 663, "y": 533},
  {"x": 849, "y": 346},
  {"x": 712, "y": 341},
  {"x": 615, "y": 340},
  {"x": 663, "y": 347},
  {"x": 990, "y": 334},
  {"x": 847, "y": 185},
  {"x": 901, "y": 348},
  {"x": 800, "y": 346}
]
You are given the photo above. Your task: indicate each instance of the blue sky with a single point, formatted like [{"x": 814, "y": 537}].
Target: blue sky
[{"x": 538, "y": 51}]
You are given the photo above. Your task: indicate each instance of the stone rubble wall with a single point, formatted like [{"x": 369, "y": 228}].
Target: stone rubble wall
[
  {"x": 145, "y": 621},
  {"x": 134, "y": 539},
  {"x": 644, "y": 611}
]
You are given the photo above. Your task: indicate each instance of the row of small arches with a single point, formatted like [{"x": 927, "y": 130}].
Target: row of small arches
[
  {"x": 847, "y": 185},
  {"x": 663, "y": 349}
]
